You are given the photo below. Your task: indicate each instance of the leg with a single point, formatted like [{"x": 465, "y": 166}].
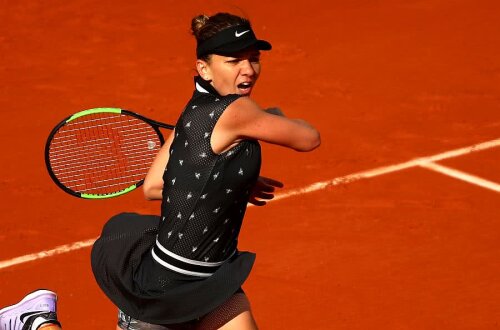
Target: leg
[
  {"x": 126, "y": 322},
  {"x": 235, "y": 314},
  {"x": 244, "y": 321}
]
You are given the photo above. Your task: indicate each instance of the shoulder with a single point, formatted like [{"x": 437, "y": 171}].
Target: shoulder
[{"x": 241, "y": 110}]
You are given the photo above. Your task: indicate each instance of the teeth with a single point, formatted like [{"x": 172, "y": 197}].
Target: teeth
[{"x": 244, "y": 85}]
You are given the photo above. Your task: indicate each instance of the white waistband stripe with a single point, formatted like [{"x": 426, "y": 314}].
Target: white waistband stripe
[
  {"x": 190, "y": 261},
  {"x": 177, "y": 269}
]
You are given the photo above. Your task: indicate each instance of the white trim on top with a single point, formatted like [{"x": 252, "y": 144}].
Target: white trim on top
[{"x": 201, "y": 89}]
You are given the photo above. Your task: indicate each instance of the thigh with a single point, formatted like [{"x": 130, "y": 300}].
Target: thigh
[
  {"x": 235, "y": 313},
  {"x": 244, "y": 321}
]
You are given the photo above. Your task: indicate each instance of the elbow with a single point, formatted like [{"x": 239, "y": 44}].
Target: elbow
[
  {"x": 316, "y": 141},
  {"x": 150, "y": 192},
  {"x": 147, "y": 192},
  {"x": 311, "y": 142},
  {"x": 148, "y": 197}
]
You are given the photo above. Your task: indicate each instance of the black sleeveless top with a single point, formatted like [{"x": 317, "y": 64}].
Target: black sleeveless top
[
  {"x": 184, "y": 264},
  {"x": 205, "y": 194}
]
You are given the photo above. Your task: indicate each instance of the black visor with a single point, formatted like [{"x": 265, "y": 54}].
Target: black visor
[{"x": 230, "y": 41}]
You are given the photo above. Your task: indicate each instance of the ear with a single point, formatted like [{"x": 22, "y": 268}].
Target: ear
[{"x": 203, "y": 70}]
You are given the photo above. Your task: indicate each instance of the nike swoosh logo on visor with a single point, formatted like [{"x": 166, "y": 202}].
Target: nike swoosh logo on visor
[{"x": 240, "y": 34}]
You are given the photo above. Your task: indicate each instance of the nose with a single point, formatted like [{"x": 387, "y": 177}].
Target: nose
[{"x": 247, "y": 68}]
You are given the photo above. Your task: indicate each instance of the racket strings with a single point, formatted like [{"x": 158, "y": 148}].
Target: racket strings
[
  {"x": 103, "y": 153},
  {"x": 77, "y": 175},
  {"x": 65, "y": 159},
  {"x": 129, "y": 128}
]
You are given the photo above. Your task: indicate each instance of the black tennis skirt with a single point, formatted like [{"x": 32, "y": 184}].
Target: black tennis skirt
[{"x": 126, "y": 272}]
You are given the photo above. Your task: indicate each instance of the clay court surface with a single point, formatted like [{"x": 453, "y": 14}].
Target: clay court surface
[{"x": 386, "y": 82}]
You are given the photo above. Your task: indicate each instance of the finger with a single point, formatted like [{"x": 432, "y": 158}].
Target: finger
[
  {"x": 271, "y": 182},
  {"x": 266, "y": 188},
  {"x": 257, "y": 202},
  {"x": 263, "y": 195}
]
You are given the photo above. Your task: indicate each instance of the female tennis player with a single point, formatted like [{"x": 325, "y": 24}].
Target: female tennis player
[
  {"x": 183, "y": 270},
  {"x": 206, "y": 173}
]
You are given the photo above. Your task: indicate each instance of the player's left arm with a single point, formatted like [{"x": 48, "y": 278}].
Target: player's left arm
[{"x": 153, "y": 183}]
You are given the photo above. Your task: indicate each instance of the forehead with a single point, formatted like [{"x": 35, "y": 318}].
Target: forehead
[{"x": 249, "y": 52}]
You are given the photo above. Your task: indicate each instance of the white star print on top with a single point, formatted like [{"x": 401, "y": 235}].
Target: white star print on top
[{"x": 212, "y": 186}]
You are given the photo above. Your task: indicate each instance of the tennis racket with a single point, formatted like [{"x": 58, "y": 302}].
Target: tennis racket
[{"x": 102, "y": 152}]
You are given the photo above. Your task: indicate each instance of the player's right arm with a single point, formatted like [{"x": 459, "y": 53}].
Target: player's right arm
[{"x": 244, "y": 119}]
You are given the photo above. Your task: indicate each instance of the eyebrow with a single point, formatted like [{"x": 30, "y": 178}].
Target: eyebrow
[{"x": 245, "y": 54}]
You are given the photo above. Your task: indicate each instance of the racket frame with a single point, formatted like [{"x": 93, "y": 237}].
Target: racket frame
[{"x": 153, "y": 123}]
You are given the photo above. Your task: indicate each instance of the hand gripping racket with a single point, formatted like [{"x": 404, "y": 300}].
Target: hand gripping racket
[{"x": 102, "y": 152}]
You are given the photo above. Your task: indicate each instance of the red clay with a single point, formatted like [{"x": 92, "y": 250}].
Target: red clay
[{"x": 384, "y": 82}]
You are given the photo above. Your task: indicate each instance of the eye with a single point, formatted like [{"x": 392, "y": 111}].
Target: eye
[
  {"x": 252, "y": 59},
  {"x": 234, "y": 61}
]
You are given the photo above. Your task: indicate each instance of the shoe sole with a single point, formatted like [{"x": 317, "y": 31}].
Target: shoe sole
[{"x": 32, "y": 296}]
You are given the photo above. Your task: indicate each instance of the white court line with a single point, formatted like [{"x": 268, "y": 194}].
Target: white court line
[
  {"x": 308, "y": 189},
  {"x": 48, "y": 253},
  {"x": 462, "y": 176},
  {"x": 389, "y": 169}
]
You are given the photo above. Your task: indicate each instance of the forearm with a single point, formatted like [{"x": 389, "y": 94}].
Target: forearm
[
  {"x": 313, "y": 140},
  {"x": 304, "y": 123},
  {"x": 153, "y": 183},
  {"x": 277, "y": 111}
]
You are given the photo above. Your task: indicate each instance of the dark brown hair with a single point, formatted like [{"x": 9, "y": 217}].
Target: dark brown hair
[{"x": 204, "y": 27}]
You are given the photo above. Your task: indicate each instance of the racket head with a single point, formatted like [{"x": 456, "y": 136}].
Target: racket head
[{"x": 102, "y": 152}]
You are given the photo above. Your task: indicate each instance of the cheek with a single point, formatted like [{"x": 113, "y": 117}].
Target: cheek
[
  {"x": 256, "y": 68},
  {"x": 224, "y": 81},
  {"x": 228, "y": 76}
]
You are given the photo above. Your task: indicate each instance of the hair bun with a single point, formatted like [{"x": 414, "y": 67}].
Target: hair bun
[{"x": 197, "y": 24}]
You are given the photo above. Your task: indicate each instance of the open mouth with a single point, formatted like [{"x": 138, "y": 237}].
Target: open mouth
[{"x": 245, "y": 87}]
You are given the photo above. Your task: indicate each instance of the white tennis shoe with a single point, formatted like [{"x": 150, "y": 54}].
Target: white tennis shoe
[{"x": 34, "y": 310}]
